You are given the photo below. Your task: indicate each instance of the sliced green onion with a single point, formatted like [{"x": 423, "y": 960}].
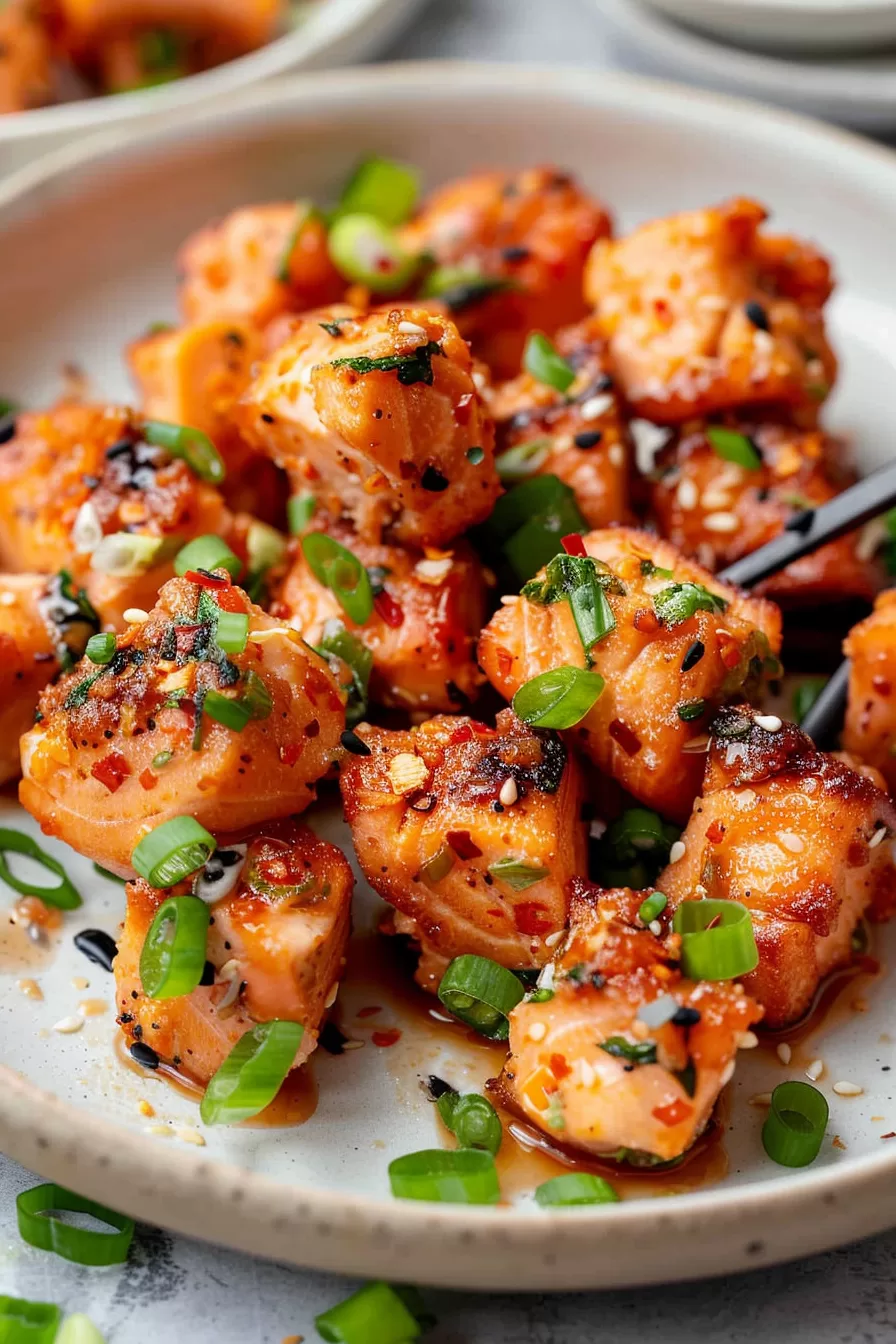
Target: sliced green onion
[
  {"x": 583, "y": 584},
  {"x": 226, "y": 710},
  {"x": 24, "y": 1322},
  {"x": 439, "y": 866},
  {"x": 382, "y": 188},
  {"x": 208, "y": 552},
  {"x": 472, "y": 1119},
  {"x": 690, "y": 710},
  {"x": 101, "y": 648},
  {"x": 482, "y": 994},
  {"x": 541, "y": 360},
  {"x": 795, "y": 1126},
  {"x": 680, "y": 601},
  {"x": 79, "y": 1329},
  {"x": 375, "y": 1314},
  {"x": 560, "y": 698},
  {"x": 721, "y": 952},
  {"x": 734, "y": 447},
  {"x": 265, "y": 548},
  {"x": 173, "y": 957},
  {"x": 575, "y": 1187},
  {"x": 300, "y": 509},
  {"x": 366, "y": 251},
  {"x": 305, "y": 211},
  {"x": 64, "y": 896},
  {"x": 173, "y": 851},
  {"x": 518, "y": 874},
  {"x": 39, "y": 1228},
  {"x": 516, "y": 464},
  {"x": 531, "y": 520},
  {"x": 459, "y": 1176},
  {"x": 459, "y": 287},
  {"x": 637, "y": 831},
  {"x": 232, "y": 631},
  {"x": 651, "y": 908},
  {"x": 126, "y": 555},
  {"x": 536, "y": 496},
  {"x": 337, "y": 642},
  {"x": 635, "y": 1052},
  {"x": 256, "y": 697},
  {"x": 340, "y": 571},
  {"x": 161, "y": 759},
  {"x": 805, "y": 695},
  {"x": 110, "y": 877},
  {"x": 252, "y": 1074},
  {"x": 194, "y": 447}
]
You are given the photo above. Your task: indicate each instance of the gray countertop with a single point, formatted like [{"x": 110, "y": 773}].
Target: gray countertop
[{"x": 175, "y": 1290}]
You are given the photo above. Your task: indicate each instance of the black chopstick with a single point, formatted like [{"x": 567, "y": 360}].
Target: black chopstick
[
  {"x": 811, "y": 528},
  {"x": 823, "y": 721}
]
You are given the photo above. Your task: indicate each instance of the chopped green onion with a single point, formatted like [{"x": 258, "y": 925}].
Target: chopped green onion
[
  {"x": 530, "y": 522},
  {"x": 717, "y": 941},
  {"x": 173, "y": 957},
  {"x": 635, "y": 1052},
  {"x": 101, "y": 648},
  {"x": 208, "y": 552},
  {"x": 680, "y": 601},
  {"x": 232, "y": 631},
  {"x": 305, "y": 211},
  {"x": 560, "y": 698},
  {"x": 37, "y": 1226},
  {"x": 173, "y": 851},
  {"x": 575, "y": 1187},
  {"x": 300, "y": 509},
  {"x": 375, "y": 1314},
  {"x": 64, "y": 896},
  {"x": 194, "y": 447},
  {"x": 126, "y": 555},
  {"x": 161, "y": 759},
  {"x": 8, "y": 407},
  {"x": 226, "y": 710},
  {"x": 340, "y": 571},
  {"x": 472, "y": 1119},
  {"x": 252, "y": 1074},
  {"x": 652, "y": 907},
  {"x": 805, "y": 695},
  {"x": 690, "y": 710},
  {"x": 795, "y": 1126},
  {"x": 517, "y": 874},
  {"x": 415, "y": 367},
  {"x": 536, "y": 496},
  {"x": 110, "y": 877},
  {"x": 637, "y": 831},
  {"x": 460, "y": 1176},
  {"x": 541, "y": 360},
  {"x": 734, "y": 447},
  {"x": 583, "y": 583},
  {"x": 24, "y": 1322},
  {"x": 265, "y": 548},
  {"x": 382, "y": 188},
  {"x": 482, "y": 994},
  {"x": 439, "y": 866},
  {"x": 366, "y": 251},
  {"x": 459, "y": 287},
  {"x": 337, "y": 642},
  {"x": 256, "y": 697},
  {"x": 78, "y": 1329},
  {"x": 516, "y": 464}
]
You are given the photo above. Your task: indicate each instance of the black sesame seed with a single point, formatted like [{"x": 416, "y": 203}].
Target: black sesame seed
[
  {"x": 432, "y": 479},
  {"x": 686, "y": 1017},
  {"x": 268, "y": 419},
  {"x": 515, "y": 254},
  {"x": 97, "y": 947},
  {"x": 757, "y": 315},
  {"x": 145, "y": 1055},
  {"x": 353, "y": 743},
  {"x": 436, "y": 1087},
  {"x": 589, "y": 438},
  {"x": 120, "y": 448},
  {"x": 693, "y": 655},
  {"x": 800, "y": 522},
  {"x": 331, "y": 1039},
  {"x": 208, "y": 974},
  {"x": 7, "y": 428}
]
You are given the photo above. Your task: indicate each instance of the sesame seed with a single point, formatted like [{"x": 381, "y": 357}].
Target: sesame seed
[
  {"x": 87, "y": 530},
  {"x": 595, "y": 407},
  {"x": 763, "y": 341},
  {"x": 412, "y": 329},
  {"x": 770, "y": 722},
  {"x": 784, "y": 1053},
  {"x": 190, "y": 1136},
  {"x": 815, "y": 1070},
  {"x": 331, "y": 997},
  {"x": 537, "y": 1031},
  {"x": 848, "y": 1089},
  {"x": 715, "y": 498},
  {"x": 352, "y": 1045},
  {"x": 509, "y": 792},
  {"x": 761, "y": 1099},
  {"x": 791, "y": 842},
  {"x": 727, "y": 1073},
  {"x": 161, "y": 1131},
  {"x": 721, "y": 522},
  {"x": 68, "y": 1025},
  {"x": 655, "y": 927},
  {"x": 136, "y": 615},
  {"x": 616, "y": 455},
  {"x": 747, "y": 1040},
  {"x": 686, "y": 494},
  {"x": 586, "y": 1073},
  {"x": 677, "y": 851},
  {"x": 553, "y": 939},
  {"x": 877, "y": 837}
]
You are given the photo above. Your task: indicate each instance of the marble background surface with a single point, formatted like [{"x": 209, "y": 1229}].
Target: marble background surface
[{"x": 175, "y": 1290}]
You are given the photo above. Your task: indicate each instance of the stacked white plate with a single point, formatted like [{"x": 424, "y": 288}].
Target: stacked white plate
[{"x": 832, "y": 58}]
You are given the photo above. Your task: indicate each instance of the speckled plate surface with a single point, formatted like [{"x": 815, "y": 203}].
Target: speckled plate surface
[{"x": 87, "y": 240}]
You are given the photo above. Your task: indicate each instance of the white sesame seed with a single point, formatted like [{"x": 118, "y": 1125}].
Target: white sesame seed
[
  {"x": 187, "y": 1135},
  {"x": 68, "y": 1025},
  {"x": 136, "y": 615},
  {"x": 537, "y": 1031},
  {"x": 747, "y": 1040},
  {"x": 770, "y": 722},
  {"x": 563, "y": 442},
  {"x": 727, "y": 1073},
  {"x": 815, "y": 1070},
  {"x": 616, "y": 455},
  {"x": 792, "y": 842},
  {"x": 161, "y": 1131},
  {"x": 877, "y": 837},
  {"x": 87, "y": 530},
  {"x": 509, "y": 792},
  {"x": 586, "y": 1073},
  {"x": 553, "y": 938},
  {"x": 546, "y": 978},
  {"x": 784, "y": 1053},
  {"x": 331, "y": 997},
  {"x": 412, "y": 329},
  {"x": 678, "y": 851},
  {"x": 353, "y": 1045},
  {"x": 761, "y": 1099},
  {"x": 686, "y": 494},
  {"x": 763, "y": 340},
  {"x": 721, "y": 522},
  {"x": 595, "y": 407},
  {"x": 715, "y": 498},
  {"x": 655, "y": 927},
  {"x": 848, "y": 1089},
  {"x": 434, "y": 572}
]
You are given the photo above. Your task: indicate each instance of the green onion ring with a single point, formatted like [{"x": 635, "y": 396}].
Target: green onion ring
[
  {"x": 795, "y": 1126},
  {"x": 252, "y": 1074},
  {"x": 382, "y": 188},
  {"x": 192, "y": 445},
  {"x": 472, "y": 1119},
  {"x": 723, "y": 952},
  {"x": 375, "y": 1314},
  {"x": 173, "y": 956},
  {"x": 172, "y": 851},
  {"x": 232, "y": 631},
  {"x": 540, "y": 359},
  {"x": 459, "y": 1176},
  {"x": 367, "y": 252},
  {"x": 734, "y": 447},
  {"x": 101, "y": 648},
  {"x": 226, "y": 710},
  {"x": 482, "y": 994},
  {"x": 207, "y": 552},
  {"x": 79, "y": 1244},
  {"x": 64, "y": 896},
  {"x": 300, "y": 509},
  {"x": 342, "y": 572},
  {"x": 575, "y": 1187},
  {"x": 24, "y": 1322}
]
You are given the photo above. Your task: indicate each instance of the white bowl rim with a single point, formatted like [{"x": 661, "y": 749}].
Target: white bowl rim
[{"x": 828, "y": 8}]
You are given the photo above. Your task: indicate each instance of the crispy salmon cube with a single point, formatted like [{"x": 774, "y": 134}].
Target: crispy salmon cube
[
  {"x": 682, "y": 644},
  {"x": 800, "y": 839},
  {"x": 26, "y": 76},
  {"x": 870, "y": 729},
  {"x": 276, "y": 942},
  {"x": 703, "y": 312},
  {"x": 471, "y": 833},
  {"x": 241, "y": 25},
  {"x": 126, "y": 745},
  {"x": 627, "y": 1058},
  {"x": 380, "y": 418}
]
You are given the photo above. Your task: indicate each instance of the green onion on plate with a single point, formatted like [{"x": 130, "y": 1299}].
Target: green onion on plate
[
  {"x": 472, "y": 1119},
  {"x": 542, "y": 361},
  {"x": 342, "y": 572},
  {"x": 101, "y": 648},
  {"x": 252, "y": 1074},
  {"x": 208, "y": 552},
  {"x": 24, "y": 1322},
  {"x": 458, "y": 1176},
  {"x": 37, "y": 1226},
  {"x": 575, "y": 1187},
  {"x": 795, "y": 1126},
  {"x": 375, "y": 1314},
  {"x": 64, "y": 895},
  {"x": 368, "y": 252},
  {"x": 382, "y": 188},
  {"x": 481, "y": 993},
  {"x": 192, "y": 445}
]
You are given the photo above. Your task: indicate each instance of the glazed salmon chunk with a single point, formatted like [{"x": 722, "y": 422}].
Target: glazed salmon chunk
[
  {"x": 279, "y": 904},
  {"x": 175, "y": 725},
  {"x": 703, "y": 312},
  {"x": 236, "y": 26},
  {"x": 26, "y": 75},
  {"x": 619, "y": 1055},
  {"x": 471, "y": 833},
  {"x": 797, "y": 836},
  {"x": 510, "y": 250},
  {"x": 379, "y": 417},
  {"x": 82, "y": 490},
  {"x": 870, "y": 728},
  {"x": 718, "y": 509},
  {"x": 580, "y": 435},
  {"x": 677, "y": 644},
  {"x": 421, "y": 634}
]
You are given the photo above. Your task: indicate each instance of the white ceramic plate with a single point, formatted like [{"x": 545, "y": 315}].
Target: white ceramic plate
[
  {"x": 791, "y": 25},
  {"x": 99, "y": 228},
  {"x": 859, "y": 91},
  {"x": 325, "y": 33}
]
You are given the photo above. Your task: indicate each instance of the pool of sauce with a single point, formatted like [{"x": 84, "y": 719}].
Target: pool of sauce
[{"x": 19, "y": 954}]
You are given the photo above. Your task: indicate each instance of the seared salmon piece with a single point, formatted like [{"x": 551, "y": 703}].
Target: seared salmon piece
[
  {"x": 471, "y": 833},
  {"x": 703, "y": 312},
  {"x": 422, "y": 633},
  {"x": 510, "y": 249},
  {"x": 26, "y": 74},
  {"x": 682, "y": 644},
  {"x": 627, "y": 1058},
  {"x": 380, "y": 418},
  {"x": 125, "y": 745},
  {"x": 258, "y": 262},
  {"x": 799, "y": 838},
  {"x": 718, "y": 510},
  {"x": 580, "y": 435},
  {"x": 194, "y": 375},
  {"x": 78, "y": 480},
  {"x": 236, "y": 26},
  {"x": 276, "y": 942},
  {"x": 870, "y": 728}
]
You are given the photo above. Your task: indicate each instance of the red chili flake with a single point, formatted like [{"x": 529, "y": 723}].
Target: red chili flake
[
  {"x": 891, "y": 1135},
  {"x": 462, "y": 733},
  {"x": 371, "y": 1011},
  {"x": 672, "y": 1114},
  {"x": 495, "y": 914},
  {"x": 388, "y": 609},
  {"x": 463, "y": 845},
  {"x": 148, "y": 779},
  {"x": 532, "y": 918},
  {"x": 206, "y": 580},
  {"x": 621, "y": 733},
  {"x": 112, "y": 771},
  {"x": 462, "y": 410},
  {"x": 645, "y": 621},
  {"x": 881, "y": 685},
  {"x": 559, "y": 1067},
  {"x": 505, "y": 661},
  {"x": 573, "y": 544},
  {"x": 291, "y": 752},
  {"x": 230, "y": 599},
  {"x": 715, "y": 832},
  {"x": 386, "y": 1038},
  {"x": 730, "y": 656}
]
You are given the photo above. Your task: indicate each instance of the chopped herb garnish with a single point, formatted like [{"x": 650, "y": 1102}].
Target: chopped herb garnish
[
  {"x": 680, "y": 601},
  {"x": 688, "y": 1077},
  {"x": 691, "y": 709},
  {"x": 635, "y": 1052},
  {"x": 584, "y": 583},
  {"x": 338, "y": 646},
  {"x": 413, "y": 368},
  {"x": 518, "y": 874},
  {"x": 651, "y": 571},
  {"x": 460, "y": 288},
  {"x": 734, "y": 447},
  {"x": 305, "y": 211},
  {"x": 335, "y": 327}
]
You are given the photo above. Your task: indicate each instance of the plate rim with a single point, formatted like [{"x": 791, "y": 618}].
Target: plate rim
[{"x": 363, "y": 1234}]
